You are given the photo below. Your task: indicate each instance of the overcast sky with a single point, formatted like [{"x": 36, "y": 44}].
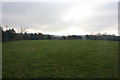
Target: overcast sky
[{"x": 62, "y": 17}]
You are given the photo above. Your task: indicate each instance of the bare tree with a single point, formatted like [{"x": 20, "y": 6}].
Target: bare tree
[{"x": 23, "y": 30}]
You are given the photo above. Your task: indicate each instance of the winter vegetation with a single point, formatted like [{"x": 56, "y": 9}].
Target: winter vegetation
[
  {"x": 59, "y": 39},
  {"x": 37, "y": 55},
  {"x": 10, "y": 34}
]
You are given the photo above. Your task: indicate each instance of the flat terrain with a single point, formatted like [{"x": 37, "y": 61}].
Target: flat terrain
[{"x": 60, "y": 59}]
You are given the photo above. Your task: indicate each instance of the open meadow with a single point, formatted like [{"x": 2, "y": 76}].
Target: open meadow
[{"x": 60, "y": 59}]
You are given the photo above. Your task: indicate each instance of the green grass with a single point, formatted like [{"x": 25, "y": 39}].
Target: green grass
[{"x": 60, "y": 59}]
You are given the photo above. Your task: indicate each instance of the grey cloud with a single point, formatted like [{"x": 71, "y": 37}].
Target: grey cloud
[
  {"x": 46, "y": 16},
  {"x": 106, "y": 18}
]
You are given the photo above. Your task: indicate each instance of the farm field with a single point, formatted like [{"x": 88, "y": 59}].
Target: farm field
[{"x": 60, "y": 59}]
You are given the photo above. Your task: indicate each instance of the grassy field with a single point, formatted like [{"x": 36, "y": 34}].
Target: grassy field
[{"x": 60, "y": 59}]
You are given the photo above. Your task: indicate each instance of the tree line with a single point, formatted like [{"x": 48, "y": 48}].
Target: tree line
[
  {"x": 103, "y": 37},
  {"x": 10, "y": 35}
]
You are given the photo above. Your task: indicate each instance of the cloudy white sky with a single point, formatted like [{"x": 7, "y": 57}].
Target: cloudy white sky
[{"x": 62, "y": 17}]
